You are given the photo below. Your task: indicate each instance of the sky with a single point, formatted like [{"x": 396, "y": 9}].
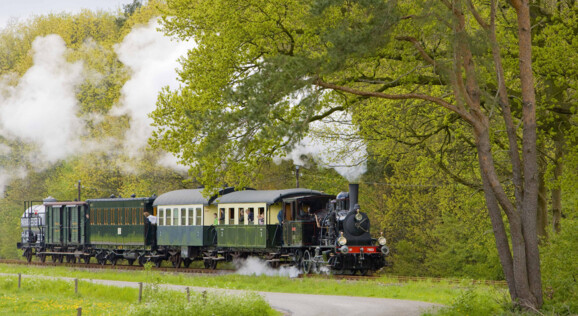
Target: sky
[{"x": 25, "y": 9}]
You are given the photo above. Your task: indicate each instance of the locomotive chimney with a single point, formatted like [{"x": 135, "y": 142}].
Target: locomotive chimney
[{"x": 353, "y": 194}]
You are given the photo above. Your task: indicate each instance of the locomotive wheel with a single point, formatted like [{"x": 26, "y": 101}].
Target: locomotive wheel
[
  {"x": 187, "y": 262},
  {"x": 306, "y": 262},
  {"x": 316, "y": 267},
  {"x": 297, "y": 258}
]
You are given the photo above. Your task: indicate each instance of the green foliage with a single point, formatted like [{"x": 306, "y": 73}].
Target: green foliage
[
  {"x": 471, "y": 302},
  {"x": 560, "y": 269},
  {"x": 162, "y": 302}
]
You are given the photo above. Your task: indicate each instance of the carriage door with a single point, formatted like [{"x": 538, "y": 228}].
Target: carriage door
[
  {"x": 73, "y": 212},
  {"x": 56, "y": 225}
]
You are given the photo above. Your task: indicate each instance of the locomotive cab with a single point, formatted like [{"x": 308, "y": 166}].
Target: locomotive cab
[{"x": 301, "y": 219}]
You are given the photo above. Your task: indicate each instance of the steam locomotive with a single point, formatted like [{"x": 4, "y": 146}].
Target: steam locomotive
[{"x": 305, "y": 228}]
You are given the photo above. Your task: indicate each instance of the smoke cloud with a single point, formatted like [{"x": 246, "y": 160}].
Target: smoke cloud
[
  {"x": 42, "y": 107},
  {"x": 333, "y": 143},
  {"x": 152, "y": 59},
  {"x": 256, "y": 266}
]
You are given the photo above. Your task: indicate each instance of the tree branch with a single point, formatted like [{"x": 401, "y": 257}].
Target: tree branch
[{"x": 461, "y": 112}]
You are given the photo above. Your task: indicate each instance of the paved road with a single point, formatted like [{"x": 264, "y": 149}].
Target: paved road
[{"x": 306, "y": 304}]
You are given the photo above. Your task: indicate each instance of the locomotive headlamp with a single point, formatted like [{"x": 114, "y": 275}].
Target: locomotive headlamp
[
  {"x": 358, "y": 216},
  {"x": 342, "y": 240},
  {"x": 382, "y": 241},
  {"x": 344, "y": 249}
]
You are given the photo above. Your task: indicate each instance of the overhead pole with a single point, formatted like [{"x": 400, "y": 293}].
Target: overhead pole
[{"x": 297, "y": 176}]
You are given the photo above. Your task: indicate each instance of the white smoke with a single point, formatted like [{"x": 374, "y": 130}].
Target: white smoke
[
  {"x": 256, "y": 266},
  {"x": 42, "y": 107},
  {"x": 152, "y": 59},
  {"x": 333, "y": 143}
]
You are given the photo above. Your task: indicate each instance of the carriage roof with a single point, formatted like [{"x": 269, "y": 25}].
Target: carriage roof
[
  {"x": 265, "y": 196},
  {"x": 188, "y": 197}
]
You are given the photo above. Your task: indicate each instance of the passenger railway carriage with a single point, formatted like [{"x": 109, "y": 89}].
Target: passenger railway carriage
[{"x": 306, "y": 228}]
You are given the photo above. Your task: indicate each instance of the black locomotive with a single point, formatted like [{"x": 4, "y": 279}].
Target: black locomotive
[{"x": 300, "y": 227}]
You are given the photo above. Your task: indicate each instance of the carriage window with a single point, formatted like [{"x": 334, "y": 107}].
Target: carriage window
[
  {"x": 161, "y": 217},
  {"x": 231, "y": 215},
  {"x": 242, "y": 216},
  {"x": 191, "y": 216},
  {"x": 168, "y": 217},
  {"x": 221, "y": 216},
  {"x": 199, "y": 216},
  {"x": 175, "y": 217},
  {"x": 91, "y": 217},
  {"x": 251, "y": 216},
  {"x": 261, "y": 217},
  {"x": 183, "y": 216}
]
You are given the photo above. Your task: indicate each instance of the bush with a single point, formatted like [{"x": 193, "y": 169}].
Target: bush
[{"x": 560, "y": 270}]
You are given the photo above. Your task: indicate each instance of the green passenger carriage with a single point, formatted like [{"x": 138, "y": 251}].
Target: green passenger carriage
[{"x": 185, "y": 225}]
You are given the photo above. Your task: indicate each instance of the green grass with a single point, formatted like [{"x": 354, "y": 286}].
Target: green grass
[
  {"x": 383, "y": 287},
  {"x": 38, "y": 296}
]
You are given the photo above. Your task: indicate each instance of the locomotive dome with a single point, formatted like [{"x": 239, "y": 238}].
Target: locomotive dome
[{"x": 35, "y": 210}]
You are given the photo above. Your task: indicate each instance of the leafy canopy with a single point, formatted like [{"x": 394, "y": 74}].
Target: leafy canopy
[{"x": 248, "y": 89}]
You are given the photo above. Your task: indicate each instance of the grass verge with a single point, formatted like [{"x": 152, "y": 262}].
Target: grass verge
[{"x": 51, "y": 297}]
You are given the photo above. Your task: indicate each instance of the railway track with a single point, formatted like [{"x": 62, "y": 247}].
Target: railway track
[
  {"x": 118, "y": 267},
  {"x": 397, "y": 278}
]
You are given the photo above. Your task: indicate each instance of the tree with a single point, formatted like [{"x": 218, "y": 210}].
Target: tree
[{"x": 262, "y": 71}]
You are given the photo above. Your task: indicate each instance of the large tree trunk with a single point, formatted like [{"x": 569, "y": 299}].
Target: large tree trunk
[
  {"x": 500, "y": 236},
  {"x": 530, "y": 202}
]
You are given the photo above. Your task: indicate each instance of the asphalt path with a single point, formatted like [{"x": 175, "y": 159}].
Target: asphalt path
[{"x": 299, "y": 304}]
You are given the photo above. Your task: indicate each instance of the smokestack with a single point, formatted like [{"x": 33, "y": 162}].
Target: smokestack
[{"x": 353, "y": 194}]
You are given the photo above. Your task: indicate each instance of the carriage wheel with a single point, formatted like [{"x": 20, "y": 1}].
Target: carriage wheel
[
  {"x": 306, "y": 262},
  {"x": 42, "y": 258},
  {"x": 54, "y": 258},
  {"x": 187, "y": 262},
  {"x": 213, "y": 264},
  {"x": 142, "y": 260},
  {"x": 86, "y": 259},
  {"x": 158, "y": 262},
  {"x": 176, "y": 260},
  {"x": 28, "y": 254},
  {"x": 130, "y": 262},
  {"x": 101, "y": 258}
]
